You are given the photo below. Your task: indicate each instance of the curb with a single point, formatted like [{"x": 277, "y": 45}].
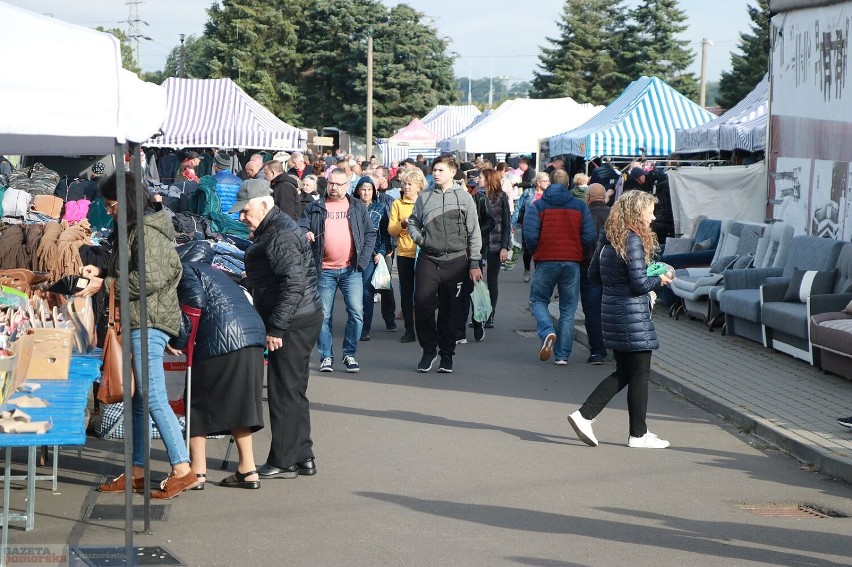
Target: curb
[{"x": 819, "y": 458}]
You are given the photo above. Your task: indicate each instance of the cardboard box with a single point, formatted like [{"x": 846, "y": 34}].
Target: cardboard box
[{"x": 44, "y": 354}]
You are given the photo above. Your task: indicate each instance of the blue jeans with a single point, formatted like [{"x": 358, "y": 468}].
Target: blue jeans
[
  {"x": 546, "y": 277},
  {"x": 351, "y": 285},
  {"x": 158, "y": 402},
  {"x": 591, "y": 294}
]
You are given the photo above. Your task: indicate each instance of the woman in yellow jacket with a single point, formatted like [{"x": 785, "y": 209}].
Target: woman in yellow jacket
[{"x": 413, "y": 182}]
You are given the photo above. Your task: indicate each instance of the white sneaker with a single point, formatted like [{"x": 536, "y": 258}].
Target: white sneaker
[
  {"x": 583, "y": 428},
  {"x": 376, "y": 297},
  {"x": 560, "y": 362},
  {"x": 461, "y": 342},
  {"x": 647, "y": 441}
]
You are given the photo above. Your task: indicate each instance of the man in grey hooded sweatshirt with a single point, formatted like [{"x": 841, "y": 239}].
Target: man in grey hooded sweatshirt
[{"x": 444, "y": 224}]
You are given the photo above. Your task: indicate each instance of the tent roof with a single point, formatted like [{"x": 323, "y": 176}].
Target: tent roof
[
  {"x": 417, "y": 132},
  {"x": 517, "y": 125},
  {"x": 448, "y": 121},
  {"x": 742, "y": 127},
  {"x": 646, "y": 114},
  {"x": 217, "y": 113},
  {"x": 49, "y": 110}
]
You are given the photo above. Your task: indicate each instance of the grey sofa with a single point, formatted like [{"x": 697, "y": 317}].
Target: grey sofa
[
  {"x": 831, "y": 341},
  {"x": 786, "y": 324},
  {"x": 740, "y": 301}
]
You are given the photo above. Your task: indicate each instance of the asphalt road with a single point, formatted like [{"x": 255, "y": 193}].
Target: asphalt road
[{"x": 479, "y": 467}]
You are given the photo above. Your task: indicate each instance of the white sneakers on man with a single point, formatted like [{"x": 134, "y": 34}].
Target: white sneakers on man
[
  {"x": 583, "y": 428},
  {"x": 647, "y": 441}
]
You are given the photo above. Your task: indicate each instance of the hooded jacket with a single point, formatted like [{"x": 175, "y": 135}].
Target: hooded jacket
[
  {"x": 286, "y": 194},
  {"x": 625, "y": 307},
  {"x": 281, "y": 273},
  {"x": 445, "y": 225},
  {"x": 162, "y": 274},
  {"x": 558, "y": 226}
]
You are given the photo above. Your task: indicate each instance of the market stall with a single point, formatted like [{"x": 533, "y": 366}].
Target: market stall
[{"x": 449, "y": 120}]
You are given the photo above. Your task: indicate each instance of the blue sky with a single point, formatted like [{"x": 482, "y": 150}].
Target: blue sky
[{"x": 490, "y": 37}]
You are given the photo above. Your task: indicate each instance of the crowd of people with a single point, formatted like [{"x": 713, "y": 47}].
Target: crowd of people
[{"x": 319, "y": 226}]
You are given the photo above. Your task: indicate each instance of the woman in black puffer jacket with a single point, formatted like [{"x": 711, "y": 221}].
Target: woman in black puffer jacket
[
  {"x": 624, "y": 250},
  {"x": 227, "y": 377}
]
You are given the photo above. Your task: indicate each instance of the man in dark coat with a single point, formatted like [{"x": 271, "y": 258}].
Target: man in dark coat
[
  {"x": 591, "y": 291},
  {"x": 283, "y": 281}
]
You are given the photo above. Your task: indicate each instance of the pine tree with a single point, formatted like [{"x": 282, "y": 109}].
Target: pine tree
[
  {"x": 581, "y": 62},
  {"x": 650, "y": 46},
  {"x": 748, "y": 68},
  {"x": 254, "y": 43},
  {"x": 411, "y": 69}
]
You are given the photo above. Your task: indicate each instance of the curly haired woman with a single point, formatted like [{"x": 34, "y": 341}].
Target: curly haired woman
[{"x": 620, "y": 263}]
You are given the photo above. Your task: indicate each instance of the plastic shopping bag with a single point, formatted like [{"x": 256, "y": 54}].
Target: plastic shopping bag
[
  {"x": 481, "y": 300},
  {"x": 381, "y": 277}
]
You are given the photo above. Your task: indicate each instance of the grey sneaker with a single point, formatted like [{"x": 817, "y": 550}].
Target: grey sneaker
[
  {"x": 326, "y": 365},
  {"x": 351, "y": 364}
]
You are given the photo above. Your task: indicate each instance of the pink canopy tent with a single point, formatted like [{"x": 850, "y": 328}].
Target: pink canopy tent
[{"x": 416, "y": 133}]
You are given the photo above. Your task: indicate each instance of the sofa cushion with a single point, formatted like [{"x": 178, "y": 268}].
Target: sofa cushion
[
  {"x": 722, "y": 263},
  {"x": 742, "y": 303},
  {"x": 703, "y": 245},
  {"x": 744, "y": 261},
  {"x": 833, "y": 331},
  {"x": 806, "y": 283},
  {"x": 790, "y": 318}
]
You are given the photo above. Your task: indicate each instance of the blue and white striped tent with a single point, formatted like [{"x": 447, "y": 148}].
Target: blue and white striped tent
[
  {"x": 217, "y": 113},
  {"x": 743, "y": 127},
  {"x": 646, "y": 115},
  {"x": 448, "y": 121}
]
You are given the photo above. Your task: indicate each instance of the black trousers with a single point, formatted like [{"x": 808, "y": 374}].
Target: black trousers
[
  {"x": 492, "y": 272},
  {"x": 438, "y": 286},
  {"x": 287, "y": 385},
  {"x": 405, "y": 269},
  {"x": 462, "y": 310},
  {"x": 632, "y": 370}
]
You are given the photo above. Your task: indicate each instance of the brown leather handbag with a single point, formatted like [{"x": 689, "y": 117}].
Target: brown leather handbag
[{"x": 111, "y": 388}]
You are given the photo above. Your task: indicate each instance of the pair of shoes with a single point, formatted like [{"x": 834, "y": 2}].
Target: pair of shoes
[
  {"x": 238, "y": 480},
  {"x": 446, "y": 365},
  {"x": 365, "y": 337},
  {"x": 202, "y": 480},
  {"x": 174, "y": 485},
  {"x": 390, "y": 326},
  {"x": 596, "y": 359},
  {"x": 307, "y": 468},
  {"x": 461, "y": 341},
  {"x": 560, "y": 362},
  {"x": 119, "y": 483},
  {"x": 478, "y": 331},
  {"x": 647, "y": 441},
  {"x": 326, "y": 365},
  {"x": 583, "y": 428},
  {"x": 408, "y": 337},
  {"x": 845, "y": 421},
  {"x": 489, "y": 323},
  {"x": 350, "y": 363},
  {"x": 268, "y": 471},
  {"x": 427, "y": 361},
  {"x": 526, "y": 276},
  {"x": 546, "y": 350}
]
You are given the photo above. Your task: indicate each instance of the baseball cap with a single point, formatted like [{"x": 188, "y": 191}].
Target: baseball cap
[
  {"x": 250, "y": 189},
  {"x": 636, "y": 173}
]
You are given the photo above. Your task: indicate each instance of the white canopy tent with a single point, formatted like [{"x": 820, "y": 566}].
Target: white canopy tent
[
  {"x": 52, "y": 110},
  {"x": 517, "y": 125},
  {"x": 449, "y": 120}
]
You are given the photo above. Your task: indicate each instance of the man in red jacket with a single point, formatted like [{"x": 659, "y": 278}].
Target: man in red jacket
[{"x": 557, "y": 228}]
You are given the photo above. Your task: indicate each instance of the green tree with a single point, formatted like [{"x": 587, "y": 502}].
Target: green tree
[
  {"x": 412, "y": 71},
  {"x": 649, "y": 46},
  {"x": 128, "y": 56},
  {"x": 254, "y": 42},
  {"x": 196, "y": 52},
  {"x": 749, "y": 66},
  {"x": 581, "y": 62}
]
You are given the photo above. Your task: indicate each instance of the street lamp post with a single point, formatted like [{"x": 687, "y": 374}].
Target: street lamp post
[{"x": 182, "y": 66}]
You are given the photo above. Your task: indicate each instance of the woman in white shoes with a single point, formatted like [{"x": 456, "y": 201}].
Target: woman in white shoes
[{"x": 624, "y": 250}]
